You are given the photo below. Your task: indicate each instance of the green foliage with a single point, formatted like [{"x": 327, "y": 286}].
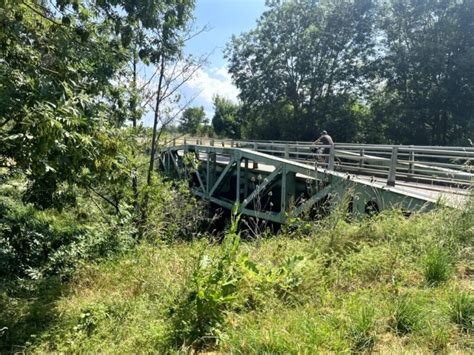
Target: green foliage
[
  {"x": 360, "y": 290},
  {"x": 213, "y": 291},
  {"x": 226, "y": 121},
  {"x": 378, "y": 71},
  {"x": 424, "y": 100},
  {"x": 174, "y": 213},
  {"x": 35, "y": 244},
  {"x": 301, "y": 66},
  {"x": 437, "y": 266},
  {"x": 192, "y": 120}
]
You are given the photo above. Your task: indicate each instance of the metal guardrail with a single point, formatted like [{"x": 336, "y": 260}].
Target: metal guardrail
[{"x": 431, "y": 166}]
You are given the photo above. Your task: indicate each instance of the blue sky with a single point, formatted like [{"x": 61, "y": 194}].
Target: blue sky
[{"x": 223, "y": 18}]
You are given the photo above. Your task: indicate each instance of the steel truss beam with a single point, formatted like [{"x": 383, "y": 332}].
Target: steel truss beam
[{"x": 285, "y": 173}]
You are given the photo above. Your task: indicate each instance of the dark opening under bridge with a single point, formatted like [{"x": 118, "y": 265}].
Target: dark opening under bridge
[{"x": 274, "y": 180}]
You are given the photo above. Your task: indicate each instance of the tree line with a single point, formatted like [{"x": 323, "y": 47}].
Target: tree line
[{"x": 395, "y": 71}]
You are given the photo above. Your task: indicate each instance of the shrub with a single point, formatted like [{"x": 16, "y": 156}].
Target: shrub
[
  {"x": 36, "y": 243},
  {"x": 437, "y": 266}
]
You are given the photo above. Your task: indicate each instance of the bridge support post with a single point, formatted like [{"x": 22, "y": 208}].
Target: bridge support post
[
  {"x": 393, "y": 167},
  {"x": 208, "y": 172},
  {"x": 213, "y": 172}
]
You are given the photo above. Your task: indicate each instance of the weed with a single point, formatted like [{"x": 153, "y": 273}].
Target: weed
[
  {"x": 214, "y": 290},
  {"x": 437, "y": 266},
  {"x": 361, "y": 330},
  {"x": 406, "y": 316},
  {"x": 462, "y": 310}
]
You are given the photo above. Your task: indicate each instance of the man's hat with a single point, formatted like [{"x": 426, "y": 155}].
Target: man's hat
[{"x": 324, "y": 132}]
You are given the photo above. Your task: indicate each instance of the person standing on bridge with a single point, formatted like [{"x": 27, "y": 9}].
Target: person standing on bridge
[{"x": 324, "y": 139}]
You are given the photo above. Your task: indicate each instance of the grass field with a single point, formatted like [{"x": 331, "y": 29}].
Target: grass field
[{"x": 388, "y": 284}]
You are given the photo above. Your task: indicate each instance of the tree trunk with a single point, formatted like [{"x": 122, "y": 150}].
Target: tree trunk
[
  {"x": 133, "y": 110},
  {"x": 155, "y": 123}
]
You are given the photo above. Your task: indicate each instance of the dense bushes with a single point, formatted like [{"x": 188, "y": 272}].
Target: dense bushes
[{"x": 37, "y": 243}]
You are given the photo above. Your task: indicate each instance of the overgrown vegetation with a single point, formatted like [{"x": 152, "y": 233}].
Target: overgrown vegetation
[{"x": 366, "y": 285}]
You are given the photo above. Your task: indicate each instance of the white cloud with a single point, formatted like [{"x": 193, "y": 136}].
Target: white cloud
[{"x": 211, "y": 82}]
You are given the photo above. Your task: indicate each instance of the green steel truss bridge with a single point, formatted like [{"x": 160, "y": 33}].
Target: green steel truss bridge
[{"x": 275, "y": 180}]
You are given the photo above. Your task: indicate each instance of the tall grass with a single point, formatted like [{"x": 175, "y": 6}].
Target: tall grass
[
  {"x": 333, "y": 286},
  {"x": 437, "y": 266}
]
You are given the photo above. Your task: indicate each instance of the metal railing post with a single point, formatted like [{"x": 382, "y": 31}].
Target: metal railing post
[
  {"x": 255, "y": 147},
  {"x": 392, "y": 174},
  {"x": 331, "y": 158},
  {"x": 412, "y": 161},
  {"x": 232, "y": 143},
  {"x": 287, "y": 151},
  {"x": 361, "y": 161}
]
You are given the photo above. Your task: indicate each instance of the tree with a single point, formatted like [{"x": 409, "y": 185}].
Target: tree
[
  {"x": 57, "y": 113},
  {"x": 301, "y": 60},
  {"x": 226, "y": 121},
  {"x": 427, "y": 71},
  {"x": 192, "y": 119}
]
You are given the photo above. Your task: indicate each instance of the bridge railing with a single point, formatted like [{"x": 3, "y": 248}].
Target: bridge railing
[{"x": 429, "y": 165}]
